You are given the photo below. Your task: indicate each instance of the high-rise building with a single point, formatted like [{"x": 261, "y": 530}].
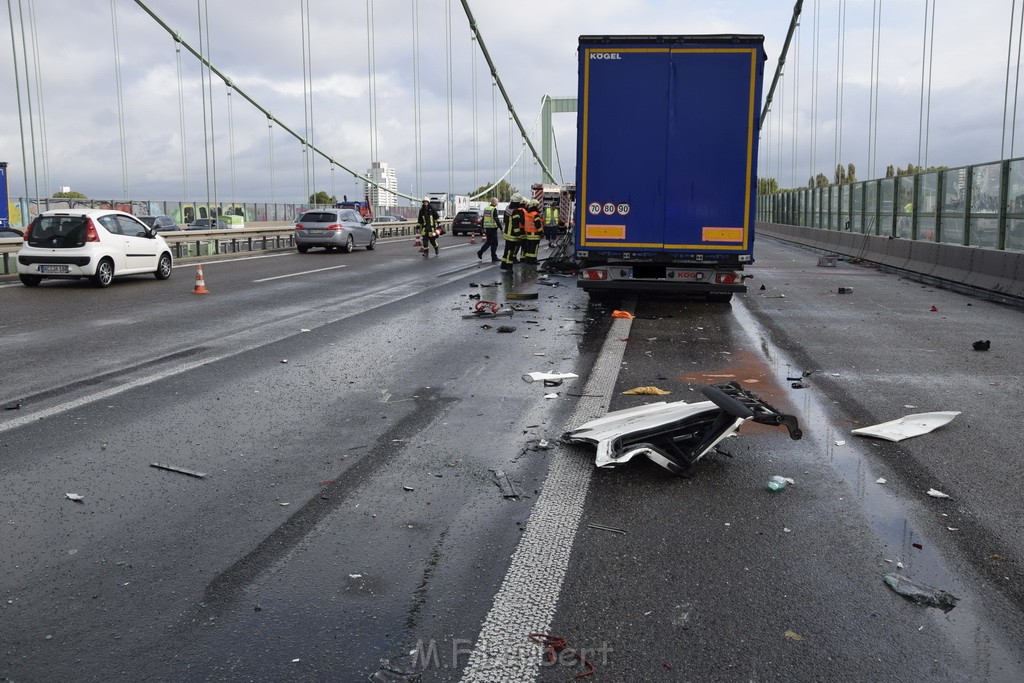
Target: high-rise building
[{"x": 385, "y": 176}]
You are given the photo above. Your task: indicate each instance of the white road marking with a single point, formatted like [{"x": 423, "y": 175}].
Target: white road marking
[
  {"x": 305, "y": 272},
  {"x": 526, "y": 601}
]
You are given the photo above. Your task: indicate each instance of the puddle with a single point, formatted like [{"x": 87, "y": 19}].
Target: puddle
[{"x": 973, "y": 637}]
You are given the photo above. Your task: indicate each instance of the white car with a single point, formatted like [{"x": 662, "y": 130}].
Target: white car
[{"x": 95, "y": 243}]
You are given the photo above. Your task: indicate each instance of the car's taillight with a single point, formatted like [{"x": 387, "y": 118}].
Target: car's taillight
[
  {"x": 90, "y": 231},
  {"x": 298, "y": 226},
  {"x": 28, "y": 231},
  {"x": 334, "y": 226}
]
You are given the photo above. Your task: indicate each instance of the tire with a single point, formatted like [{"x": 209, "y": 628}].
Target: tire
[
  {"x": 30, "y": 280},
  {"x": 350, "y": 244},
  {"x": 104, "y": 273},
  {"x": 373, "y": 242},
  {"x": 303, "y": 248},
  {"x": 163, "y": 267}
]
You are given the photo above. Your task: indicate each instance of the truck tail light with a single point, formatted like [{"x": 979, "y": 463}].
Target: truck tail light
[
  {"x": 90, "y": 231},
  {"x": 595, "y": 274},
  {"x": 726, "y": 278}
]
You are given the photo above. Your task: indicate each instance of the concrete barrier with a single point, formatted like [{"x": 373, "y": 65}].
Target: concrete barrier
[{"x": 994, "y": 274}]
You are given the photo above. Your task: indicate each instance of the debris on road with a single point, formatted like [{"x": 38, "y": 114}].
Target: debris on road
[
  {"x": 284, "y": 360},
  {"x": 13, "y": 406},
  {"x": 622, "y": 314},
  {"x": 793, "y": 635},
  {"x": 777, "y": 483},
  {"x": 909, "y": 426},
  {"x": 548, "y": 376},
  {"x": 982, "y": 345},
  {"x": 676, "y": 435},
  {"x": 507, "y": 486},
  {"x": 521, "y": 296},
  {"x": 920, "y": 593},
  {"x": 646, "y": 391},
  {"x": 407, "y": 488},
  {"x": 880, "y": 480},
  {"x": 388, "y": 673},
  {"x": 827, "y": 261},
  {"x": 555, "y": 650},
  {"x": 845, "y": 290},
  {"x": 75, "y": 497},
  {"x": 935, "y": 493},
  {"x": 505, "y": 329},
  {"x": 607, "y": 528},
  {"x": 179, "y": 470},
  {"x": 550, "y": 395}
]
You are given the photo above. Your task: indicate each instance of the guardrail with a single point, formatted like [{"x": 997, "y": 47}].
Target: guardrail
[{"x": 203, "y": 243}]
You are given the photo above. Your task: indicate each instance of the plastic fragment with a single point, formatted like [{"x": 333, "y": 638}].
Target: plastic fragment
[
  {"x": 777, "y": 483},
  {"x": 407, "y": 488},
  {"x": 550, "y": 395},
  {"x": 920, "y": 593},
  {"x": 880, "y": 480},
  {"x": 646, "y": 391},
  {"x": 284, "y": 360},
  {"x": 622, "y": 314},
  {"x": 935, "y": 493},
  {"x": 388, "y": 673},
  {"x": 840, "y": 443},
  {"x": 793, "y": 635},
  {"x": 982, "y": 345},
  {"x": 908, "y": 426},
  {"x": 75, "y": 497},
  {"x": 507, "y": 486},
  {"x": 507, "y": 328},
  {"x": 548, "y": 376}
]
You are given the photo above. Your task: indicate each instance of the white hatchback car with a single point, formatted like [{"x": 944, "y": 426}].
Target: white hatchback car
[{"x": 94, "y": 243}]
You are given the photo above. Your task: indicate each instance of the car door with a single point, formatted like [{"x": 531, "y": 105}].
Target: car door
[
  {"x": 360, "y": 230},
  {"x": 140, "y": 248},
  {"x": 115, "y": 246}
]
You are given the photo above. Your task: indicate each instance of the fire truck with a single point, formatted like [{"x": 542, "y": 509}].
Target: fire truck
[{"x": 556, "y": 197}]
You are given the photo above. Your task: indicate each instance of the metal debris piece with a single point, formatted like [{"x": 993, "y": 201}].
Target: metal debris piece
[
  {"x": 521, "y": 296},
  {"x": 676, "y": 435},
  {"x": 906, "y": 427},
  {"x": 284, "y": 360},
  {"x": 389, "y": 673},
  {"x": 548, "y": 376},
  {"x": 553, "y": 382},
  {"x": 179, "y": 470},
  {"x": 507, "y": 486},
  {"x": 13, "y": 406},
  {"x": 920, "y": 593},
  {"x": 935, "y": 493},
  {"x": 507, "y": 328},
  {"x": 75, "y": 497},
  {"x": 407, "y": 488}
]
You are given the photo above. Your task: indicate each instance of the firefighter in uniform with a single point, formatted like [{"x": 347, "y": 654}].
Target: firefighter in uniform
[
  {"x": 427, "y": 223},
  {"x": 533, "y": 230},
  {"x": 513, "y": 231}
]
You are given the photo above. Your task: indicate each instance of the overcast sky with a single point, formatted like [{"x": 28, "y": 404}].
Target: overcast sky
[{"x": 259, "y": 45}]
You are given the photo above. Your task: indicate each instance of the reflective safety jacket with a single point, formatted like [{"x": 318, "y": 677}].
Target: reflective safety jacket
[
  {"x": 514, "y": 230},
  {"x": 533, "y": 225},
  {"x": 490, "y": 217}
]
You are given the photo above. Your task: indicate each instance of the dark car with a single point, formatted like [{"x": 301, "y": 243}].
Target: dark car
[
  {"x": 158, "y": 223},
  {"x": 8, "y": 233},
  {"x": 208, "y": 224},
  {"x": 467, "y": 222}
]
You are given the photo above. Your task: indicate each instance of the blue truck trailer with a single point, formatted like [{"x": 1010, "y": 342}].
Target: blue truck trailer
[{"x": 666, "y": 172}]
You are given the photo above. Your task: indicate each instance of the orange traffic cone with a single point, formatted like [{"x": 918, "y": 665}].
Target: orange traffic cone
[
  {"x": 417, "y": 243},
  {"x": 200, "y": 284},
  {"x": 472, "y": 238}
]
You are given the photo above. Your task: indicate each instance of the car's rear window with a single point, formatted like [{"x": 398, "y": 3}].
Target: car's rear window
[
  {"x": 58, "y": 232},
  {"x": 318, "y": 217},
  {"x": 467, "y": 214}
]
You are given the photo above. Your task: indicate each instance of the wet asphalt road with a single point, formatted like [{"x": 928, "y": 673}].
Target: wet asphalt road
[{"x": 349, "y": 511}]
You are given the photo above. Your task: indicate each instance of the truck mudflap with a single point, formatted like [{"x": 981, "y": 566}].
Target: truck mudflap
[{"x": 677, "y": 435}]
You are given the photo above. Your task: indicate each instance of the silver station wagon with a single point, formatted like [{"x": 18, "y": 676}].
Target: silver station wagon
[{"x": 334, "y": 230}]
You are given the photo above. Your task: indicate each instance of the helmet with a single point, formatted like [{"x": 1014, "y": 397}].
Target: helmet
[
  {"x": 426, "y": 199},
  {"x": 518, "y": 198},
  {"x": 533, "y": 204}
]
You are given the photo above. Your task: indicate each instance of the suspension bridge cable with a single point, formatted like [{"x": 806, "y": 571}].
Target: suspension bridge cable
[
  {"x": 476, "y": 147},
  {"x": 924, "y": 64},
  {"x": 311, "y": 136},
  {"x": 202, "y": 89},
  {"x": 371, "y": 66},
  {"x": 417, "y": 121},
  {"x": 307, "y": 98},
  {"x": 450, "y": 108},
  {"x": 21, "y": 122},
  {"x": 263, "y": 110},
  {"x": 181, "y": 120},
  {"x": 874, "y": 114},
  {"x": 928, "y": 104},
  {"x": 840, "y": 75},
  {"x": 120, "y": 99},
  {"x": 1013, "y": 122},
  {"x": 209, "y": 85},
  {"x": 494, "y": 127},
  {"x": 270, "y": 166},
  {"x": 871, "y": 88},
  {"x": 494, "y": 74},
  {"x": 1006, "y": 87},
  {"x": 231, "y": 142},
  {"x": 43, "y": 145},
  {"x": 796, "y": 108},
  {"x": 814, "y": 92},
  {"x": 28, "y": 101}
]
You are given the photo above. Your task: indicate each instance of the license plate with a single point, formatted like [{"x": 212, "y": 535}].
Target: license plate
[
  {"x": 54, "y": 269},
  {"x": 315, "y": 232}
]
